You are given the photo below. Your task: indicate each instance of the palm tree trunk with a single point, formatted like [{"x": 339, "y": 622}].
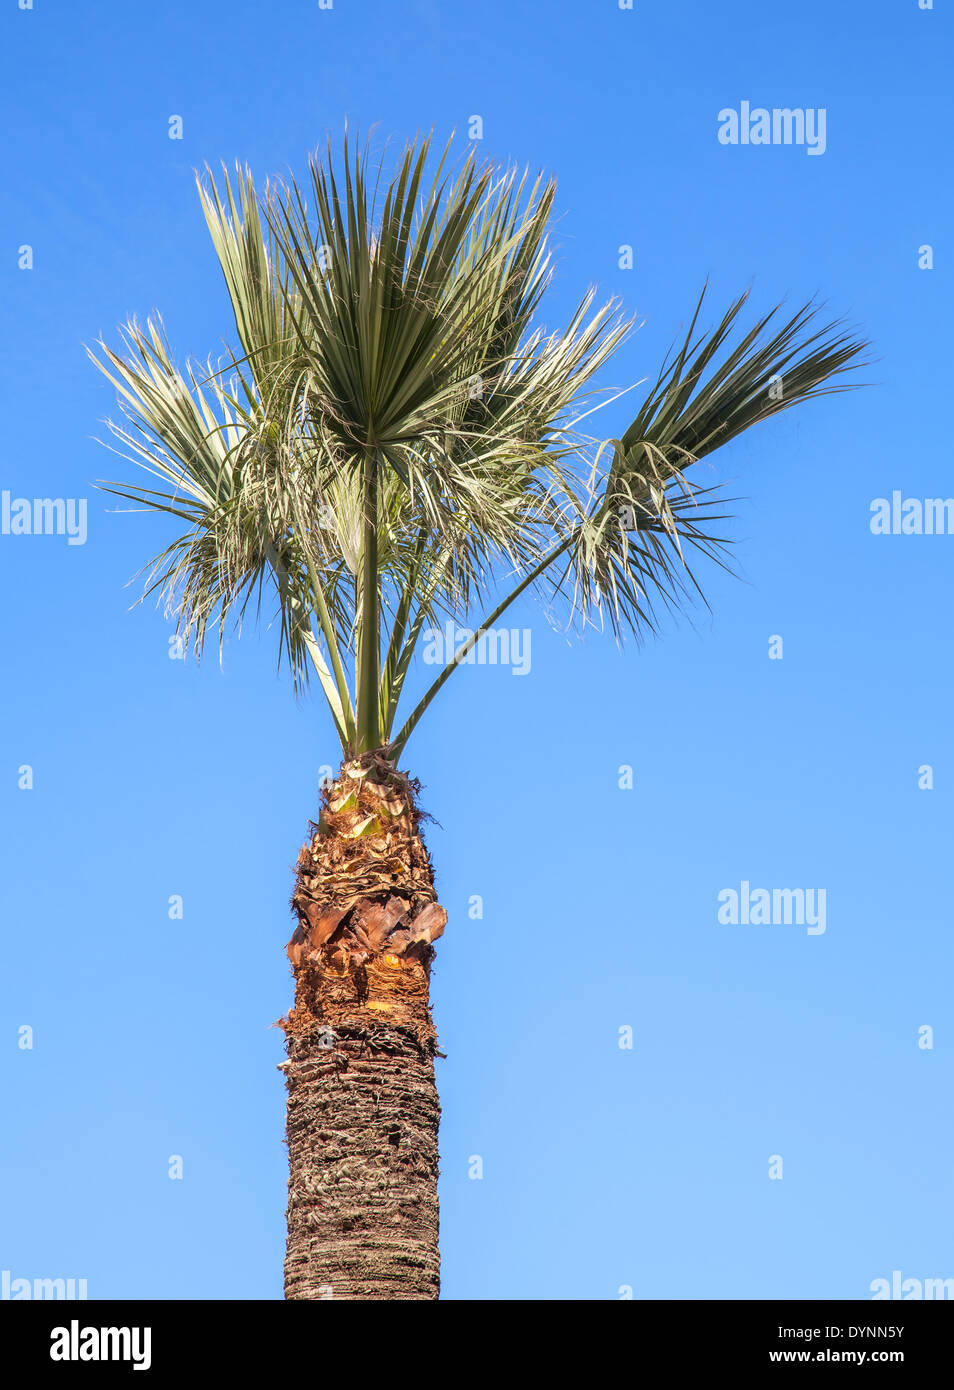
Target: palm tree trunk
[{"x": 363, "y": 1111}]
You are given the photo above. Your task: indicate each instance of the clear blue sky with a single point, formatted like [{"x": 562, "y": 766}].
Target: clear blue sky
[{"x": 602, "y": 1167}]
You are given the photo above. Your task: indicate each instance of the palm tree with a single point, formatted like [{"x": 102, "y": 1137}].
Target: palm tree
[{"x": 392, "y": 443}]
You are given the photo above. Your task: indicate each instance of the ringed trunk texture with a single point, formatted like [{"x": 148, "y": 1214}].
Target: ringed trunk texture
[{"x": 363, "y": 1112}]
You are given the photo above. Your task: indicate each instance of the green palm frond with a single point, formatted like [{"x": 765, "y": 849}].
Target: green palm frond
[
  {"x": 395, "y": 437},
  {"x": 632, "y": 546}
]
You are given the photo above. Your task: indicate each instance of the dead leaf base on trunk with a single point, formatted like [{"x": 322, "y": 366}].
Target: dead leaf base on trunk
[{"x": 363, "y": 1112}]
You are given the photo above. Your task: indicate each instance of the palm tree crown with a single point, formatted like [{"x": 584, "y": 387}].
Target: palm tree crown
[{"x": 393, "y": 439}]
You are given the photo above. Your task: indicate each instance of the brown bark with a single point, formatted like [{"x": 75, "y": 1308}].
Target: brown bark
[{"x": 363, "y": 1111}]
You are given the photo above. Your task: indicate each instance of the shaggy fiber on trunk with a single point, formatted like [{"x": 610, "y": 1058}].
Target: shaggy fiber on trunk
[{"x": 363, "y": 1111}]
